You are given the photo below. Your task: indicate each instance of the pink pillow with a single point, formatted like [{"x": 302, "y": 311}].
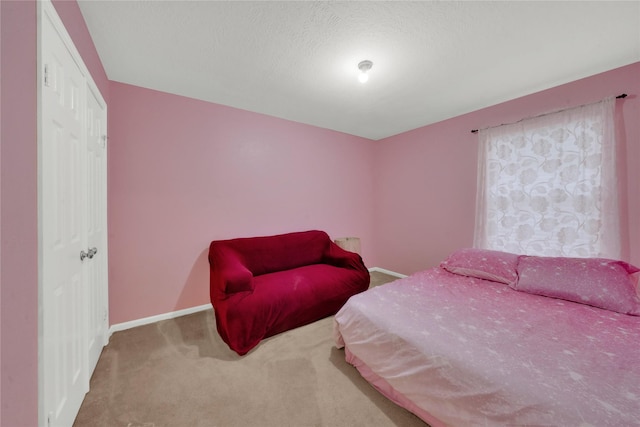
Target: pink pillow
[
  {"x": 598, "y": 282},
  {"x": 483, "y": 264}
]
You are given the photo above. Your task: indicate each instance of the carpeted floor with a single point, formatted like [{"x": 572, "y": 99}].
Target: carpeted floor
[{"x": 179, "y": 372}]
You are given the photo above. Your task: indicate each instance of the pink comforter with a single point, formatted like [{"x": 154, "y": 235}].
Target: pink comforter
[{"x": 462, "y": 352}]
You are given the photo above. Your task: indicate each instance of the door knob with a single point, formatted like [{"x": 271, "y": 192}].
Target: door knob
[
  {"x": 89, "y": 254},
  {"x": 92, "y": 252}
]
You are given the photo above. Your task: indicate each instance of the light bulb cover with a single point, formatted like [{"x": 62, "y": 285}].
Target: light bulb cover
[{"x": 364, "y": 66}]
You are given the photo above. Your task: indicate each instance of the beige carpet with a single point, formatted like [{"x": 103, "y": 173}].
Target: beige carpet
[{"x": 180, "y": 373}]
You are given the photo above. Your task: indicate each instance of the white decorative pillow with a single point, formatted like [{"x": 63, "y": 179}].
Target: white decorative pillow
[{"x": 484, "y": 264}]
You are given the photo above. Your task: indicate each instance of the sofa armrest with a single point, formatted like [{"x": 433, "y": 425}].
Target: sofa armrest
[
  {"x": 338, "y": 257},
  {"x": 237, "y": 278},
  {"x": 229, "y": 275}
]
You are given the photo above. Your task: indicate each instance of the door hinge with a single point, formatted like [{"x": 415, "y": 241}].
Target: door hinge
[{"x": 46, "y": 75}]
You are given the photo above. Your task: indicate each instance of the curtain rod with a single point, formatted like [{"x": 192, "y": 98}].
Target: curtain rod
[{"x": 624, "y": 95}]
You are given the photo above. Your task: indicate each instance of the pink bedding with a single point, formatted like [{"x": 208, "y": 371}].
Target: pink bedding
[{"x": 463, "y": 351}]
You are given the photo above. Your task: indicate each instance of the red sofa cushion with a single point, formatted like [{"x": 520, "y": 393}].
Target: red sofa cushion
[{"x": 312, "y": 292}]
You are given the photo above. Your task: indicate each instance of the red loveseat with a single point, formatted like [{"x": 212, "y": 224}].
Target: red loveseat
[{"x": 261, "y": 286}]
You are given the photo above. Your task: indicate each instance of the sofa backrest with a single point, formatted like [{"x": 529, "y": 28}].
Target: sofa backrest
[{"x": 269, "y": 254}]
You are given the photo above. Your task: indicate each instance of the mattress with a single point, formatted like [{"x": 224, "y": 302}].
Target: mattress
[{"x": 462, "y": 351}]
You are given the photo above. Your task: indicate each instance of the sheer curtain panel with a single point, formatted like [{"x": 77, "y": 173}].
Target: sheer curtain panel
[{"x": 547, "y": 185}]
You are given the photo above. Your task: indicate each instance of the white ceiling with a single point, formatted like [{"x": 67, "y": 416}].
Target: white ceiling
[{"x": 298, "y": 60}]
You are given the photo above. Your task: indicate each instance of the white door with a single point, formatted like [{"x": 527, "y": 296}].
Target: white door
[
  {"x": 72, "y": 222},
  {"x": 96, "y": 226},
  {"x": 62, "y": 196}
]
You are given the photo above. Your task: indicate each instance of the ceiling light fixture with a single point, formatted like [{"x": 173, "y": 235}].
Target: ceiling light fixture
[{"x": 364, "y": 66}]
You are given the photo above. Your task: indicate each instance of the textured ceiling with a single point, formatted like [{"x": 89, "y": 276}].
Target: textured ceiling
[{"x": 298, "y": 60}]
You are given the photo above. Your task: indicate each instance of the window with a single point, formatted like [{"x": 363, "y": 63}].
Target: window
[{"x": 547, "y": 185}]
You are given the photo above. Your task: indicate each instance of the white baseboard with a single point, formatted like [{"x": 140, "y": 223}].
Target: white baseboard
[
  {"x": 389, "y": 272},
  {"x": 172, "y": 315},
  {"x": 152, "y": 319}
]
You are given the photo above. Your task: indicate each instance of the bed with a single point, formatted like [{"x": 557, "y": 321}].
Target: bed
[{"x": 496, "y": 339}]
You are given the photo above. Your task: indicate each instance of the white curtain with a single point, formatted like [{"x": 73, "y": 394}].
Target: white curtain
[{"x": 547, "y": 185}]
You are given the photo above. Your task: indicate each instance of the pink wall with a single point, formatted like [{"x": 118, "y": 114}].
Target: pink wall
[
  {"x": 184, "y": 172},
  {"x": 425, "y": 181},
  {"x": 18, "y": 200},
  {"x": 19, "y": 269}
]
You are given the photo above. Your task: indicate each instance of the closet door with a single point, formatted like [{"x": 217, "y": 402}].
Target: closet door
[
  {"x": 96, "y": 226},
  {"x": 72, "y": 224},
  {"x": 64, "y": 378}
]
